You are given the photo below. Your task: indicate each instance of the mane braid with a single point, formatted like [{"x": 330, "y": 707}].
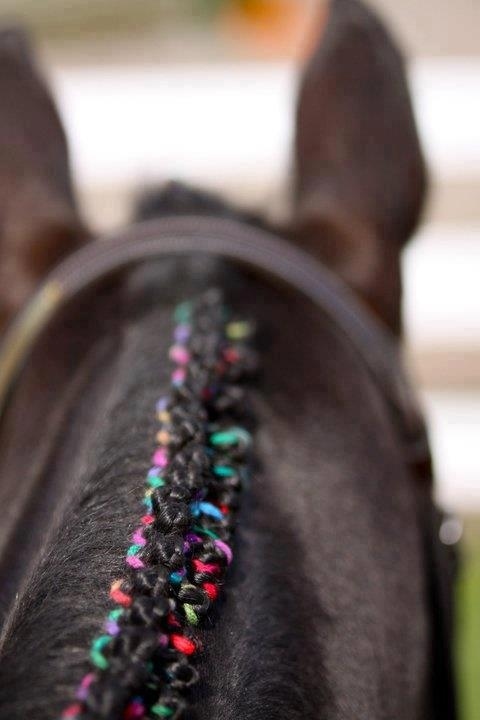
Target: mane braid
[{"x": 175, "y": 567}]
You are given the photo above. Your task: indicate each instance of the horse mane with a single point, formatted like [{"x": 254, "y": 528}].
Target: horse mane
[{"x": 179, "y": 554}]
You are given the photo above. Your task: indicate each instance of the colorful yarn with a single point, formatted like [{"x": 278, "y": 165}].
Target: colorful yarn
[
  {"x": 183, "y": 644},
  {"x": 180, "y": 552},
  {"x": 138, "y": 538},
  {"x": 239, "y": 330},
  {"x": 96, "y": 653},
  {"x": 233, "y": 436},
  {"x": 160, "y": 458},
  {"x": 209, "y": 568},
  {"x": 211, "y": 589},
  {"x": 134, "y": 711},
  {"x": 162, "y": 711},
  {"x": 225, "y": 549},
  {"x": 206, "y": 508},
  {"x": 118, "y": 596},
  {"x": 72, "y": 711},
  {"x": 190, "y": 614},
  {"x": 134, "y": 562},
  {"x": 84, "y": 685}
]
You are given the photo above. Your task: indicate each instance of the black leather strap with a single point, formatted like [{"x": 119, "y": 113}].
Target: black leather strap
[
  {"x": 441, "y": 572},
  {"x": 261, "y": 251}
]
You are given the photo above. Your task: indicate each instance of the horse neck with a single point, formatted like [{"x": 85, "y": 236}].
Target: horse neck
[{"x": 297, "y": 604}]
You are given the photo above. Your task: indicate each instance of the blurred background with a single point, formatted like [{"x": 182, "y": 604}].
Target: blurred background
[{"x": 204, "y": 91}]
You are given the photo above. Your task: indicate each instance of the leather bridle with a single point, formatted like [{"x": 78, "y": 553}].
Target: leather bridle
[{"x": 254, "y": 248}]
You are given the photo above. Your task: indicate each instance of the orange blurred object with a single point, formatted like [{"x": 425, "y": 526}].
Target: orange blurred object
[{"x": 274, "y": 28}]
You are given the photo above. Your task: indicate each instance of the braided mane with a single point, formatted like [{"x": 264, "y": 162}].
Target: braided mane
[{"x": 142, "y": 664}]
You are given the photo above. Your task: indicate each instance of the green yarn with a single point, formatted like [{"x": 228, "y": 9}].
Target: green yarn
[
  {"x": 96, "y": 653},
  {"x": 206, "y": 531},
  {"x": 190, "y": 614},
  {"x": 224, "y": 471},
  {"x": 238, "y": 330},
  {"x": 115, "y": 614},
  {"x": 134, "y": 549},
  {"x": 155, "y": 482},
  {"x": 230, "y": 437},
  {"x": 183, "y": 312},
  {"x": 162, "y": 711}
]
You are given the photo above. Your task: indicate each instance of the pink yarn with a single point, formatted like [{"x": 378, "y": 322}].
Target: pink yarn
[
  {"x": 135, "y": 710},
  {"x": 82, "y": 691},
  {"x": 226, "y": 550},
  {"x": 160, "y": 458},
  {"x": 138, "y": 538},
  {"x": 178, "y": 376},
  {"x": 179, "y": 354},
  {"x": 134, "y": 562},
  {"x": 163, "y": 640},
  {"x": 72, "y": 711}
]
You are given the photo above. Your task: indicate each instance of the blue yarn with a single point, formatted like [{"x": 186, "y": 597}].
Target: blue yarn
[{"x": 208, "y": 509}]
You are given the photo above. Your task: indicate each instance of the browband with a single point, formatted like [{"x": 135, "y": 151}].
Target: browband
[{"x": 247, "y": 246}]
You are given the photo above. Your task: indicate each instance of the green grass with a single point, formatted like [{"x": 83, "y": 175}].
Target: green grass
[{"x": 468, "y": 623}]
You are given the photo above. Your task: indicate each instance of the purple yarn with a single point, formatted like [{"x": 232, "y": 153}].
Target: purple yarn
[
  {"x": 82, "y": 692},
  {"x": 112, "y": 627},
  {"x": 225, "y": 549},
  {"x": 162, "y": 404},
  {"x": 192, "y": 538},
  {"x": 182, "y": 333},
  {"x": 154, "y": 471},
  {"x": 163, "y": 640}
]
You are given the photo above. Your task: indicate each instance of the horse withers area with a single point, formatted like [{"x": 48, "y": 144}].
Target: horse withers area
[{"x": 216, "y": 485}]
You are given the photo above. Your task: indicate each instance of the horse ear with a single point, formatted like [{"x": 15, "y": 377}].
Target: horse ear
[
  {"x": 39, "y": 221},
  {"x": 360, "y": 177}
]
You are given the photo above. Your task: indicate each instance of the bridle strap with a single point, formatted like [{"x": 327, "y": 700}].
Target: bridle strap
[{"x": 245, "y": 245}]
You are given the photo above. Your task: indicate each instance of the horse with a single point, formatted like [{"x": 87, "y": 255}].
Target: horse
[{"x": 285, "y": 558}]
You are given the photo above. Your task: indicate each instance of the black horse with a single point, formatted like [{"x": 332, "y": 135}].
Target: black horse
[{"x": 337, "y": 603}]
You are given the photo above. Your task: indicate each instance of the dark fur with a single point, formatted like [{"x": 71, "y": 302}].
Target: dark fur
[
  {"x": 39, "y": 221},
  {"x": 360, "y": 176},
  {"x": 327, "y": 612}
]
